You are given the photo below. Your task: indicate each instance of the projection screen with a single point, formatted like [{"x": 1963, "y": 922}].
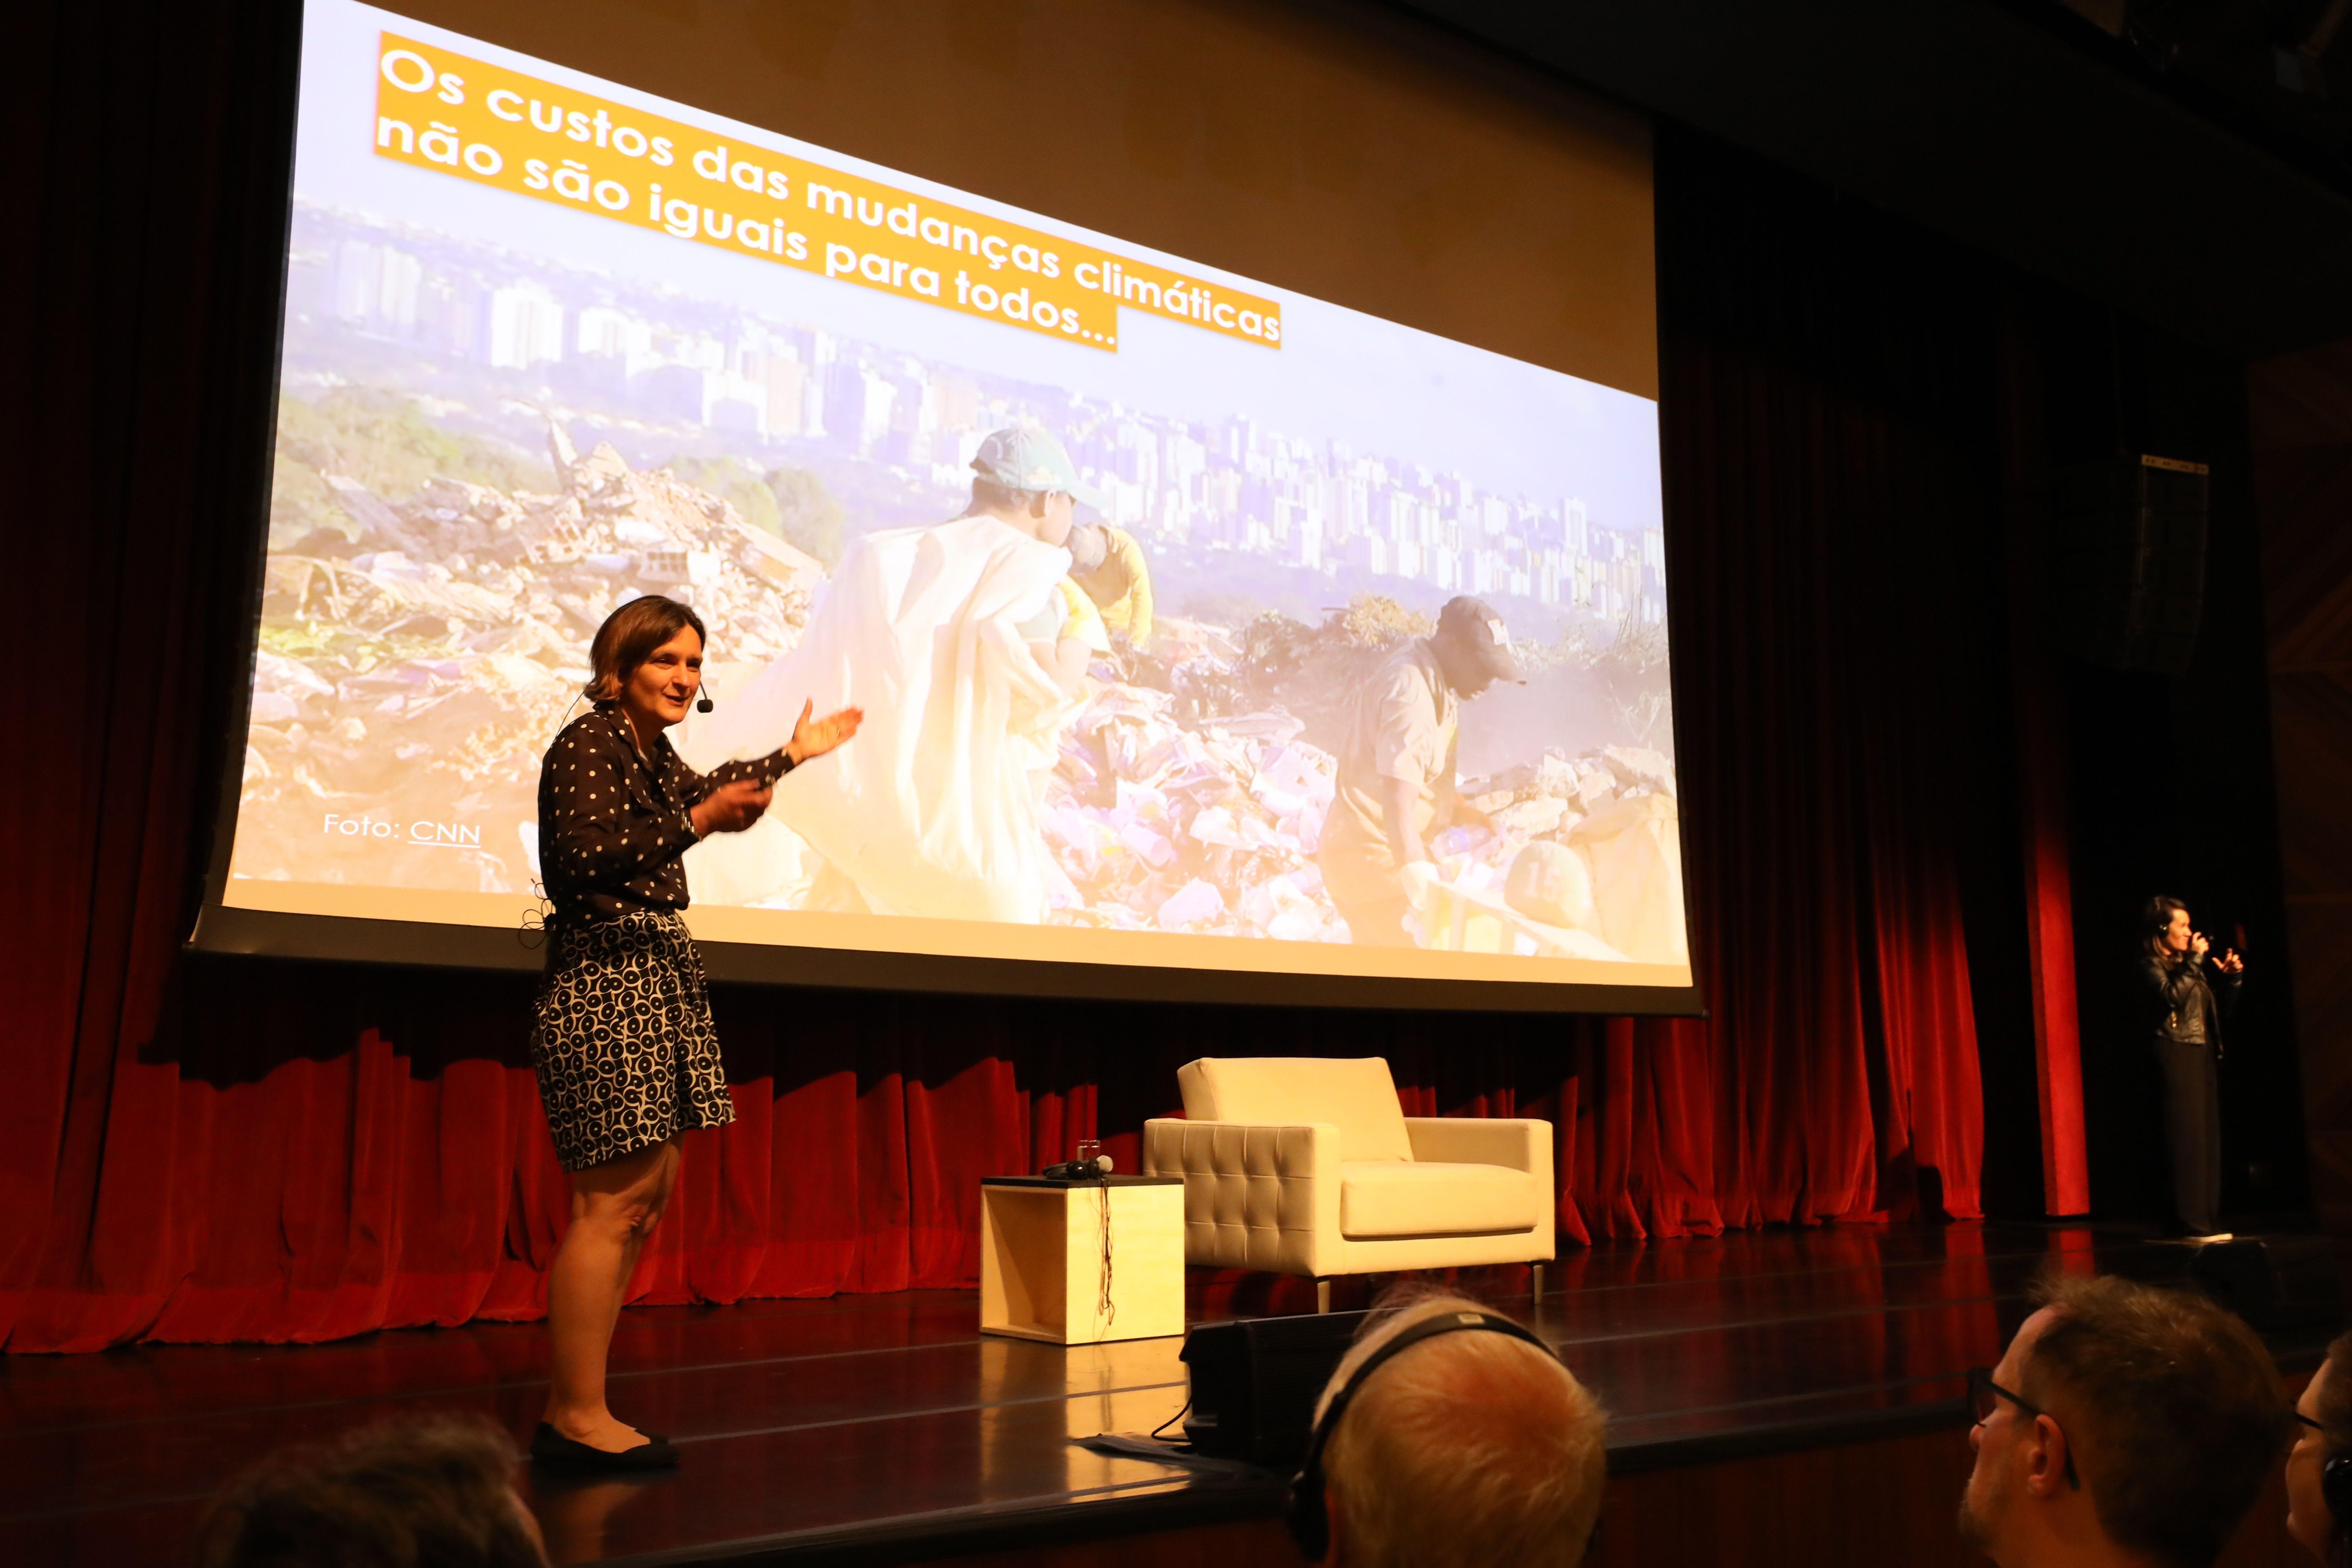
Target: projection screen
[{"x": 553, "y": 342}]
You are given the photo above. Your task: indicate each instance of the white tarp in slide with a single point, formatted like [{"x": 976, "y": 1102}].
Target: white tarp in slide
[{"x": 932, "y": 812}]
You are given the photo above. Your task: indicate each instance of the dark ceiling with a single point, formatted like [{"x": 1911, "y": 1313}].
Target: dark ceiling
[{"x": 2149, "y": 162}]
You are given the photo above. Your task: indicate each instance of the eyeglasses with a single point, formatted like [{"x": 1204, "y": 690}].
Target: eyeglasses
[{"x": 1985, "y": 1397}]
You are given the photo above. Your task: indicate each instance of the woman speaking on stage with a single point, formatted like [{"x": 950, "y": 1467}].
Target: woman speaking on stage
[
  {"x": 2185, "y": 1015},
  {"x": 624, "y": 1047}
]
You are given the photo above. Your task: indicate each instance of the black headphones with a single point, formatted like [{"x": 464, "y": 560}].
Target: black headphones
[
  {"x": 1309, "y": 1525},
  {"x": 2335, "y": 1488}
]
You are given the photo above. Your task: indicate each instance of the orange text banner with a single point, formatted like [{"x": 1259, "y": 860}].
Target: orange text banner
[{"x": 447, "y": 112}]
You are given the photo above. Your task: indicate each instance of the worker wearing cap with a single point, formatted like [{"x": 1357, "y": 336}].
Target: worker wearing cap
[
  {"x": 1109, "y": 565},
  {"x": 1396, "y": 770},
  {"x": 964, "y": 642},
  {"x": 1023, "y": 478}
]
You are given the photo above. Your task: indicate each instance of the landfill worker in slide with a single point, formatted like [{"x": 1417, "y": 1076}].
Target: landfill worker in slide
[
  {"x": 1109, "y": 565},
  {"x": 967, "y": 645},
  {"x": 1067, "y": 634},
  {"x": 1396, "y": 770}
]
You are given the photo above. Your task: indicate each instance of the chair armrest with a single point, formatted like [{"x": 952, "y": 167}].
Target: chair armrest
[
  {"x": 1523, "y": 1144},
  {"x": 1255, "y": 1196}
]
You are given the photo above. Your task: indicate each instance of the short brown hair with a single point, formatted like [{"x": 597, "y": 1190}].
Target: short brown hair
[
  {"x": 1468, "y": 1450},
  {"x": 628, "y": 637},
  {"x": 2174, "y": 1407},
  {"x": 987, "y": 495},
  {"x": 433, "y": 1491}
]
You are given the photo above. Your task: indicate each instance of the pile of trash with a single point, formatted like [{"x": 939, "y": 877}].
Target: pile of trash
[
  {"x": 417, "y": 666},
  {"x": 1551, "y": 794},
  {"x": 1588, "y": 845},
  {"x": 1158, "y": 827},
  {"x": 414, "y": 669},
  {"x": 1185, "y": 810}
]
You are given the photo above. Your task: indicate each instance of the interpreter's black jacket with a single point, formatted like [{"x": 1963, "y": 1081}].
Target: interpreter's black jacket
[{"x": 2179, "y": 998}]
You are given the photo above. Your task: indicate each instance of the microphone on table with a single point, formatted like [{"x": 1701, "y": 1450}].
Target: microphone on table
[{"x": 1093, "y": 1170}]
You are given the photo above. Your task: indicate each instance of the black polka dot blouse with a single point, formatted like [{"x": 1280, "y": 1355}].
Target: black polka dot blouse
[{"x": 613, "y": 820}]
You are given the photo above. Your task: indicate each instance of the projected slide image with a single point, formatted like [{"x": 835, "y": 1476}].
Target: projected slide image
[{"x": 552, "y": 345}]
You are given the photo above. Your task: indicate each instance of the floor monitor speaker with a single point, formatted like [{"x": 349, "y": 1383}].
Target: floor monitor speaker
[{"x": 1253, "y": 1384}]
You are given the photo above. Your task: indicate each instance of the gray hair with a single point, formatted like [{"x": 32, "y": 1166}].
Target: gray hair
[{"x": 1468, "y": 1450}]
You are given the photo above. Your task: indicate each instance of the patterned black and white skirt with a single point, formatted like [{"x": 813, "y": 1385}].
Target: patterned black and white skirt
[{"x": 625, "y": 1051}]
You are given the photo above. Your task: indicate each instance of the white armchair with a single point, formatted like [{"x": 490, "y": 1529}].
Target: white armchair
[{"x": 1302, "y": 1165}]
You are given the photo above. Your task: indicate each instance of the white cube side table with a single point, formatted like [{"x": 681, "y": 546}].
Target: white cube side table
[{"x": 1042, "y": 1257}]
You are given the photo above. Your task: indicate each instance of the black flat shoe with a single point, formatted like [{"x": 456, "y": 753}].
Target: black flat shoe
[{"x": 549, "y": 1447}]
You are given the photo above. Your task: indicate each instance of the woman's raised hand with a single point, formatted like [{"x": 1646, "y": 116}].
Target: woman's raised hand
[
  {"x": 732, "y": 807},
  {"x": 815, "y": 738}
]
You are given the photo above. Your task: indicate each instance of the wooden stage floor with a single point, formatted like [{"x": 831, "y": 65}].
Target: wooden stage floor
[{"x": 885, "y": 1429}]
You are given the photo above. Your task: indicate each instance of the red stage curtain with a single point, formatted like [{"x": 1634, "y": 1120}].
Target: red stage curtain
[{"x": 233, "y": 1149}]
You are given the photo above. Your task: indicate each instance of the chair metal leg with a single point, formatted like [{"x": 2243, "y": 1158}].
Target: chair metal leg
[
  {"x": 1322, "y": 1296},
  {"x": 1535, "y": 1281}
]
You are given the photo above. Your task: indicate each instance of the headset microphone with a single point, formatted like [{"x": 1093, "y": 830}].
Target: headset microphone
[{"x": 703, "y": 704}]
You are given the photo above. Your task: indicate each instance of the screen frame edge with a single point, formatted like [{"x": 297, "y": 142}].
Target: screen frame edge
[{"x": 228, "y": 930}]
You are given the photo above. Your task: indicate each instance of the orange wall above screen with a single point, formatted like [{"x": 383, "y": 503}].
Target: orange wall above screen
[{"x": 1332, "y": 150}]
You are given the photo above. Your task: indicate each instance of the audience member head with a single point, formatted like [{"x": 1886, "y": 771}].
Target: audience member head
[
  {"x": 1467, "y": 1448},
  {"x": 2318, "y": 1509},
  {"x": 2125, "y": 1424},
  {"x": 428, "y": 1492}
]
